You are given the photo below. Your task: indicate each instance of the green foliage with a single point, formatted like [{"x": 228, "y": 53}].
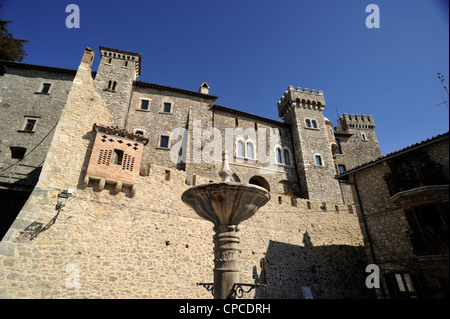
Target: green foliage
[{"x": 11, "y": 49}]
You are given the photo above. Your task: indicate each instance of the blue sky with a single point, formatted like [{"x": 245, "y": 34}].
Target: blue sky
[{"x": 251, "y": 51}]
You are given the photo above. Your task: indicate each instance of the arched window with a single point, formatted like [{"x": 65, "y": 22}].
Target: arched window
[
  {"x": 314, "y": 123},
  {"x": 308, "y": 123},
  {"x": 240, "y": 148},
  {"x": 250, "y": 150},
  {"x": 279, "y": 156}
]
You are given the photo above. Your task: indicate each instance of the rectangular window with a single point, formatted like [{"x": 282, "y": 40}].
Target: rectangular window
[
  {"x": 341, "y": 168},
  {"x": 363, "y": 136},
  {"x": 30, "y": 124},
  {"x": 144, "y": 105},
  {"x": 164, "y": 141},
  {"x": 338, "y": 149},
  {"x": 167, "y": 107},
  {"x": 45, "y": 88},
  {"x": 308, "y": 123},
  {"x": 318, "y": 160}
]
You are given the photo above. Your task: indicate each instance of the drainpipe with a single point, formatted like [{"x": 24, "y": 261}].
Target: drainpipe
[{"x": 367, "y": 232}]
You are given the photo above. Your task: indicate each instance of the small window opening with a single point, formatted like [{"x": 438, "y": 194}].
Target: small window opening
[
  {"x": 363, "y": 136},
  {"x": 287, "y": 158},
  {"x": 46, "y": 87},
  {"x": 164, "y": 142},
  {"x": 167, "y": 108},
  {"x": 125, "y": 63},
  {"x": 308, "y": 123},
  {"x": 341, "y": 168},
  {"x": 319, "y": 160},
  {"x": 240, "y": 149},
  {"x": 236, "y": 122},
  {"x": 279, "y": 160},
  {"x": 117, "y": 157},
  {"x": 109, "y": 60},
  {"x": 18, "y": 152},
  {"x": 280, "y": 199},
  {"x": 144, "y": 104},
  {"x": 139, "y": 132},
  {"x": 314, "y": 124},
  {"x": 29, "y": 125},
  {"x": 308, "y": 205},
  {"x": 167, "y": 176}
]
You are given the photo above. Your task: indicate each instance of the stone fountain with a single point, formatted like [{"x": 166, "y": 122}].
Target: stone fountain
[{"x": 226, "y": 204}]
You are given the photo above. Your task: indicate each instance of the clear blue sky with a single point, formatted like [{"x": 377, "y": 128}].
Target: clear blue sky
[{"x": 251, "y": 51}]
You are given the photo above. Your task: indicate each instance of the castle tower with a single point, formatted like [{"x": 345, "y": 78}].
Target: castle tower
[
  {"x": 357, "y": 141},
  {"x": 302, "y": 109},
  {"x": 114, "y": 80}
]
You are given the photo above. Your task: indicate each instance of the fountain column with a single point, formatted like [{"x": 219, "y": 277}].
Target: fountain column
[{"x": 225, "y": 204}]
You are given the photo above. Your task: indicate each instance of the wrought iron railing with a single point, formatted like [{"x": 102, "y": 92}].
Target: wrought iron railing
[
  {"x": 430, "y": 241},
  {"x": 414, "y": 177}
]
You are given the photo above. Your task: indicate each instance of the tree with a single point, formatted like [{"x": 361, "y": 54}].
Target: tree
[{"x": 11, "y": 49}]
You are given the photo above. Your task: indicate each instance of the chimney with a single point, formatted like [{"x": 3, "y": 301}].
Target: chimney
[
  {"x": 204, "y": 88},
  {"x": 88, "y": 56}
]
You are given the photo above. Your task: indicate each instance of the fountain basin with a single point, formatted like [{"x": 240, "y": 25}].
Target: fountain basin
[{"x": 226, "y": 203}]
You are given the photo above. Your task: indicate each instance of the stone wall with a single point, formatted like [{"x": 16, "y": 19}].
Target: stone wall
[
  {"x": 154, "y": 246},
  {"x": 104, "y": 244},
  {"x": 386, "y": 219},
  {"x": 21, "y": 98}
]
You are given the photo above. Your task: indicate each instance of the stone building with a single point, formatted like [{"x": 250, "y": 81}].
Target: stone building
[
  {"x": 402, "y": 203},
  {"x": 114, "y": 154}
]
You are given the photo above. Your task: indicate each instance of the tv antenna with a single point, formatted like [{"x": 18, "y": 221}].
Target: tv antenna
[
  {"x": 442, "y": 79},
  {"x": 337, "y": 111}
]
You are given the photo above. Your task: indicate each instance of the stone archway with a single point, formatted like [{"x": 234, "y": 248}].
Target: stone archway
[{"x": 260, "y": 181}]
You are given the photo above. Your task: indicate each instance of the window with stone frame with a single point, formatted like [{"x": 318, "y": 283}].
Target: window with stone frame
[
  {"x": 318, "y": 160},
  {"x": 167, "y": 107},
  {"x": 144, "y": 104},
  {"x": 29, "y": 125},
  {"x": 164, "y": 141},
  {"x": 45, "y": 89},
  {"x": 111, "y": 86}
]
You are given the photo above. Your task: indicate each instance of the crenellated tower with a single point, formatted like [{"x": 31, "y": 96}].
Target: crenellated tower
[
  {"x": 114, "y": 80},
  {"x": 358, "y": 143},
  {"x": 303, "y": 110}
]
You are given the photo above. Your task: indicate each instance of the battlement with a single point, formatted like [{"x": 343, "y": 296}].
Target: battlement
[
  {"x": 356, "y": 121},
  {"x": 300, "y": 97},
  {"x": 124, "y": 55}
]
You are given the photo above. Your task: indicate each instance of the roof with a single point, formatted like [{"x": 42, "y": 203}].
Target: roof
[
  {"x": 250, "y": 115},
  {"x": 38, "y": 67},
  {"x": 172, "y": 89},
  {"x": 432, "y": 140},
  {"x": 115, "y": 130}
]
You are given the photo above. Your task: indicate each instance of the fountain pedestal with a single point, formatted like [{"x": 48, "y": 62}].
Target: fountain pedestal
[{"x": 225, "y": 204}]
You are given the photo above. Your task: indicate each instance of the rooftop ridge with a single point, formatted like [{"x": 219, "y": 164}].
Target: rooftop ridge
[{"x": 173, "y": 89}]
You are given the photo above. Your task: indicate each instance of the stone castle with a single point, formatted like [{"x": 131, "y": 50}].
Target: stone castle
[{"x": 93, "y": 165}]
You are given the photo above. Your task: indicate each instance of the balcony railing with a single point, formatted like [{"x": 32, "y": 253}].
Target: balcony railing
[
  {"x": 414, "y": 177},
  {"x": 430, "y": 241}
]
